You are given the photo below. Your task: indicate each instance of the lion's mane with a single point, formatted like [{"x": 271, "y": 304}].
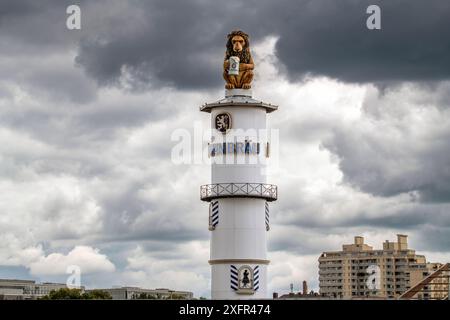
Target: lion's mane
[{"x": 244, "y": 55}]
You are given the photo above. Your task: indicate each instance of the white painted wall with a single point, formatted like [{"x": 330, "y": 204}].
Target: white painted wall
[{"x": 241, "y": 232}]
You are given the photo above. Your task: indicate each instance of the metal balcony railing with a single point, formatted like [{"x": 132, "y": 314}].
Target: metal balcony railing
[{"x": 209, "y": 192}]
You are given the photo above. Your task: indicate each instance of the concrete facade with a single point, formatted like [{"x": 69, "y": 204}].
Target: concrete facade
[
  {"x": 12, "y": 289},
  {"x": 345, "y": 274},
  {"x": 131, "y": 293}
]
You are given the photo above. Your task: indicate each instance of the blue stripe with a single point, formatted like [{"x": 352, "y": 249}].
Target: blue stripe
[
  {"x": 214, "y": 213},
  {"x": 234, "y": 278}
]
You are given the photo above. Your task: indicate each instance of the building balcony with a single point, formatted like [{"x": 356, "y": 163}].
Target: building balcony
[
  {"x": 209, "y": 192},
  {"x": 326, "y": 265}
]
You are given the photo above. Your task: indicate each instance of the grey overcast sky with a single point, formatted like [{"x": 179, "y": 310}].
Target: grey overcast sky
[{"x": 86, "y": 119}]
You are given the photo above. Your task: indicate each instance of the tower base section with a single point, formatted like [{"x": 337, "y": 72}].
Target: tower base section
[{"x": 239, "y": 280}]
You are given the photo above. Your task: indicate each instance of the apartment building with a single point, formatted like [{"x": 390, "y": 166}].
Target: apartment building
[
  {"x": 435, "y": 286},
  {"x": 360, "y": 271}
]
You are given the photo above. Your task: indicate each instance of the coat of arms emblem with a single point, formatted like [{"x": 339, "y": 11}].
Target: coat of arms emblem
[{"x": 223, "y": 122}]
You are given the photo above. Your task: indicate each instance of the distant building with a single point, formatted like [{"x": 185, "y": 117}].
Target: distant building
[
  {"x": 351, "y": 273},
  {"x": 435, "y": 286},
  {"x": 304, "y": 295},
  {"x": 11, "y": 289},
  {"x": 130, "y": 293}
]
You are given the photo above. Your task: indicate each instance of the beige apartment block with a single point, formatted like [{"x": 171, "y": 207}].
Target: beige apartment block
[
  {"x": 435, "y": 286},
  {"x": 359, "y": 271}
]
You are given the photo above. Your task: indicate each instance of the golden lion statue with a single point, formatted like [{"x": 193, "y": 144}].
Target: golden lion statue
[{"x": 240, "y": 75}]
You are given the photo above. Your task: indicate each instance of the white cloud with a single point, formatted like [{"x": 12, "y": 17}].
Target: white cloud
[
  {"x": 18, "y": 252},
  {"x": 77, "y": 175},
  {"x": 185, "y": 267},
  {"x": 287, "y": 268},
  {"x": 89, "y": 260}
]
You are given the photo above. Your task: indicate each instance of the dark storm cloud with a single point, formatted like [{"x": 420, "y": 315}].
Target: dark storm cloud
[
  {"x": 432, "y": 238},
  {"x": 35, "y": 27},
  {"x": 415, "y": 217},
  {"x": 181, "y": 43},
  {"x": 115, "y": 144},
  {"x": 330, "y": 38},
  {"x": 171, "y": 43},
  {"x": 397, "y": 150},
  {"x": 369, "y": 166}
]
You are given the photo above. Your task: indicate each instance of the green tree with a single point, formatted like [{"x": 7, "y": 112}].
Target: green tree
[
  {"x": 63, "y": 294},
  {"x": 75, "y": 294},
  {"x": 96, "y": 295},
  {"x": 144, "y": 296}
]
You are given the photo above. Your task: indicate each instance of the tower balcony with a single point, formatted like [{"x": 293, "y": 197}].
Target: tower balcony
[
  {"x": 209, "y": 192},
  {"x": 238, "y": 98}
]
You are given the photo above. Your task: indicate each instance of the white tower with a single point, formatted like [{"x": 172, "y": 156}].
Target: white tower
[{"x": 239, "y": 196}]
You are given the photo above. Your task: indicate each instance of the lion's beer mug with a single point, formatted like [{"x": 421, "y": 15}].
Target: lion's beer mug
[{"x": 234, "y": 66}]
